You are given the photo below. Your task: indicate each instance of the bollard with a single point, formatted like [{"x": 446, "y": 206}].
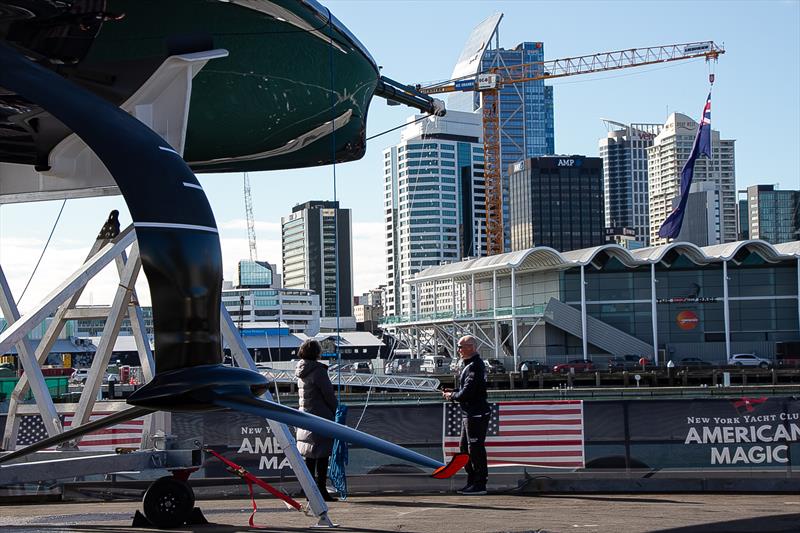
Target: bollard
[
  {"x": 774, "y": 377},
  {"x": 744, "y": 379},
  {"x": 670, "y": 377},
  {"x": 714, "y": 378},
  {"x": 685, "y": 377},
  {"x": 541, "y": 381},
  {"x": 511, "y": 380},
  {"x": 597, "y": 379},
  {"x": 625, "y": 378},
  {"x": 569, "y": 378},
  {"x": 525, "y": 379}
]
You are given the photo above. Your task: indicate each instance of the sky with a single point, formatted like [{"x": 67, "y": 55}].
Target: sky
[{"x": 756, "y": 101}]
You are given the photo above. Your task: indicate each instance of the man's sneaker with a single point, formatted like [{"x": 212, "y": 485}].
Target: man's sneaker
[
  {"x": 465, "y": 487},
  {"x": 474, "y": 490}
]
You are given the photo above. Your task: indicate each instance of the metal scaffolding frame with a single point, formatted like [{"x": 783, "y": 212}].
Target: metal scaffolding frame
[
  {"x": 60, "y": 305},
  {"x": 422, "y": 332}
]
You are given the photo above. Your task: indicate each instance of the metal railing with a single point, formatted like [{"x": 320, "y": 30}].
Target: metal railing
[
  {"x": 501, "y": 312},
  {"x": 355, "y": 379}
]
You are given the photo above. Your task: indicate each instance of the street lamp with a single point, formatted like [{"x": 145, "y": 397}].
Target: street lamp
[{"x": 241, "y": 313}]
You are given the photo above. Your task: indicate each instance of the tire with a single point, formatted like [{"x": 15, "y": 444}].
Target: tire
[
  {"x": 168, "y": 502},
  {"x": 738, "y": 364},
  {"x": 763, "y": 365}
]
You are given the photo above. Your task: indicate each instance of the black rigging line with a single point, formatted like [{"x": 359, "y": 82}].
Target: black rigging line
[
  {"x": 55, "y": 224},
  {"x": 398, "y": 127}
]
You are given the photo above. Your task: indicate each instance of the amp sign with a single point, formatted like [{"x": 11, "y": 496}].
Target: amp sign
[{"x": 569, "y": 163}]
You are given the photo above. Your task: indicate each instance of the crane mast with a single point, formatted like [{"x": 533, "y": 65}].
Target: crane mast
[
  {"x": 489, "y": 84},
  {"x": 251, "y": 225}
]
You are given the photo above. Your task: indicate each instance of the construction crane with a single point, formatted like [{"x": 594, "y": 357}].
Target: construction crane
[
  {"x": 490, "y": 82},
  {"x": 251, "y": 224}
]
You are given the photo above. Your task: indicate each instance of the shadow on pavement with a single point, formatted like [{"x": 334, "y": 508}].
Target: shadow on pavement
[
  {"x": 474, "y": 504},
  {"x": 763, "y": 524},
  {"x": 208, "y": 528},
  {"x": 620, "y": 499}
]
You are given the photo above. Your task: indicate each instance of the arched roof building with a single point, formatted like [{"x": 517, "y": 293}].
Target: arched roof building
[{"x": 663, "y": 302}]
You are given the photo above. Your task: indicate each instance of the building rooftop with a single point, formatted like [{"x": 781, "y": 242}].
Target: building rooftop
[{"x": 545, "y": 258}]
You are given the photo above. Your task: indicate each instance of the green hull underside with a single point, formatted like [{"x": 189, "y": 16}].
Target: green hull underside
[{"x": 293, "y": 92}]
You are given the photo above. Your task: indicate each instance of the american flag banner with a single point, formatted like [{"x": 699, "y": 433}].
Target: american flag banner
[
  {"x": 536, "y": 433},
  {"x": 124, "y": 435}
]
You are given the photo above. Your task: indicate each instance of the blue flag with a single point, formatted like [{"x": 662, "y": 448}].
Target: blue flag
[{"x": 702, "y": 145}]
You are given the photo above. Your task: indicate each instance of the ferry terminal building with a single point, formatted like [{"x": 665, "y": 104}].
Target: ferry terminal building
[{"x": 664, "y": 302}]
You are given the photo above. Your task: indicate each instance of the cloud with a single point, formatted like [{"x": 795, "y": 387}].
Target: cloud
[
  {"x": 18, "y": 257},
  {"x": 369, "y": 256},
  {"x": 261, "y": 226},
  {"x": 368, "y": 250}
]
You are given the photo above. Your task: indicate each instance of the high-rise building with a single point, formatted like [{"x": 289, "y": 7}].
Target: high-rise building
[
  {"x": 665, "y": 159},
  {"x": 773, "y": 215},
  {"x": 295, "y": 309},
  {"x": 703, "y": 209},
  {"x": 260, "y": 274},
  {"x": 526, "y": 109},
  {"x": 743, "y": 217},
  {"x": 625, "y": 237},
  {"x": 434, "y": 200},
  {"x": 557, "y": 202},
  {"x": 317, "y": 255},
  {"x": 624, "y": 154}
]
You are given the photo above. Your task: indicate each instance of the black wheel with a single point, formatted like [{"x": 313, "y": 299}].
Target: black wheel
[
  {"x": 168, "y": 502},
  {"x": 763, "y": 365},
  {"x": 738, "y": 364}
]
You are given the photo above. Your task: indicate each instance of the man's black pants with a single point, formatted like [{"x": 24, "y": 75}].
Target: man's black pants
[{"x": 473, "y": 442}]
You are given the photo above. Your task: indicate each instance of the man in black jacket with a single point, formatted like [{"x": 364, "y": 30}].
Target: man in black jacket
[{"x": 475, "y": 414}]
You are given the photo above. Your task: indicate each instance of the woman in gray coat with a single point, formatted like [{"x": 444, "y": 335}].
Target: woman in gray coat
[{"x": 318, "y": 398}]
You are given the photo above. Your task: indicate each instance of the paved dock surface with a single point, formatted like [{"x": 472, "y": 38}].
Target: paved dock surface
[{"x": 674, "y": 513}]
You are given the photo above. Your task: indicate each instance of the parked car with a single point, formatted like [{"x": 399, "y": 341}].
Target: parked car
[
  {"x": 749, "y": 359},
  {"x": 111, "y": 378},
  {"x": 79, "y": 375},
  {"x": 435, "y": 364},
  {"x": 494, "y": 366},
  {"x": 624, "y": 362},
  {"x": 535, "y": 367},
  {"x": 693, "y": 362},
  {"x": 359, "y": 367},
  {"x": 579, "y": 365},
  {"x": 409, "y": 366},
  {"x": 395, "y": 365}
]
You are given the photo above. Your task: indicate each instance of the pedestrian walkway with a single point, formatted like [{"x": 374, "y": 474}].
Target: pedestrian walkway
[{"x": 508, "y": 512}]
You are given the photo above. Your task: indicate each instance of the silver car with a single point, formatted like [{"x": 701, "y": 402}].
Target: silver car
[{"x": 749, "y": 359}]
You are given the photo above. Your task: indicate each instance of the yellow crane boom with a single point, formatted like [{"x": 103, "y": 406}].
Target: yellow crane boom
[{"x": 489, "y": 84}]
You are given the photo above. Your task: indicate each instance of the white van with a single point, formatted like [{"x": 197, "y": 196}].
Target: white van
[{"x": 435, "y": 364}]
